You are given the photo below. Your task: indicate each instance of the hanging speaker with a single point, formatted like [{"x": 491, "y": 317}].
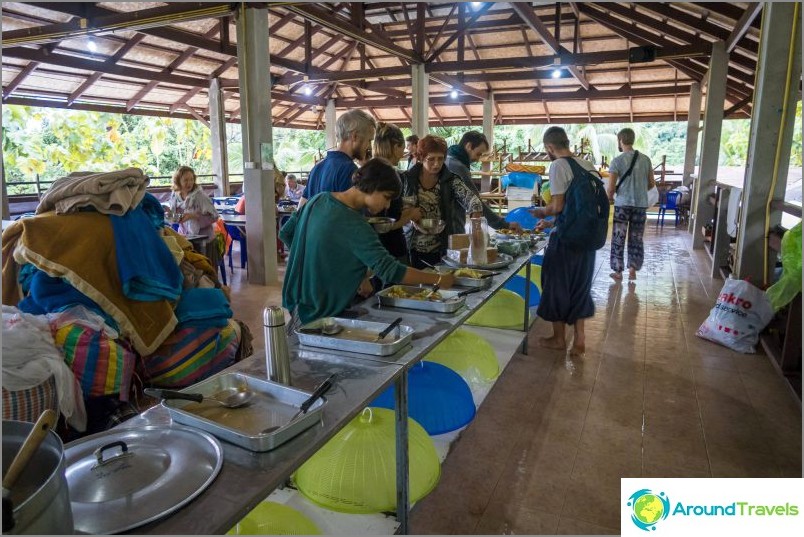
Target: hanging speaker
[{"x": 642, "y": 54}]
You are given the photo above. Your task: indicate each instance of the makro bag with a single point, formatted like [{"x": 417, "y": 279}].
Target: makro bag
[
  {"x": 741, "y": 313},
  {"x": 584, "y": 221}
]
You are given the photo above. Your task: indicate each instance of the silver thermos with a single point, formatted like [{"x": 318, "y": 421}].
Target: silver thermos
[{"x": 277, "y": 357}]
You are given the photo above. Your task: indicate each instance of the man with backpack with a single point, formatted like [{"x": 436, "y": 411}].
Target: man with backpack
[
  {"x": 631, "y": 178},
  {"x": 581, "y": 206}
]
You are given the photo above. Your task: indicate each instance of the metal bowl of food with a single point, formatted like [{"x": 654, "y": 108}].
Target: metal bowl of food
[
  {"x": 430, "y": 226},
  {"x": 381, "y": 224}
]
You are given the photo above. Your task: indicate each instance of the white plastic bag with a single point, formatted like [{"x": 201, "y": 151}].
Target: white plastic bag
[
  {"x": 653, "y": 197},
  {"x": 741, "y": 313}
]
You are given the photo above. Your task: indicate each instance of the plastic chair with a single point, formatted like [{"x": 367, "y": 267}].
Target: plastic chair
[
  {"x": 237, "y": 235},
  {"x": 670, "y": 204}
]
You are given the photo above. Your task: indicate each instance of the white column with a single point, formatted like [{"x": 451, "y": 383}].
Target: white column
[
  {"x": 329, "y": 123},
  {"x": 488, "y": 130},
  {"x": 217, "y": 126},
  {"x": 420, "y": 123},
  {"x": 258, "y": 161},
  {"x": 772, "y": 123},
  {"x": 710, "y": 145},
  {"x": 693, "y": 126}
]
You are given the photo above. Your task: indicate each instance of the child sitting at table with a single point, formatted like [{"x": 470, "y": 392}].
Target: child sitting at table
[{"x": 279, "y": 191}]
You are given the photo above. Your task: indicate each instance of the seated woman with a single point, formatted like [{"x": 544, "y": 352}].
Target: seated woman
[
  {"x": 194, "y": 211},
  {"x": 332, "y": 245},
  {"x": 438, "y": 193}
]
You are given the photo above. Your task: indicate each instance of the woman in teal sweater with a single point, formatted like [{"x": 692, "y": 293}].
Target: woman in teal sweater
[{"x": 332, "y": 245}]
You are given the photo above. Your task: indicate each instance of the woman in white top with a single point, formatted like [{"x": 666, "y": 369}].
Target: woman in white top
[
  {"x": 195, "y": 212},
  {"x": 193, "y": 209}
]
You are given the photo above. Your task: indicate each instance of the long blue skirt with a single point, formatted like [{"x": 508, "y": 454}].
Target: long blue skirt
[{"x": 566, "y": 283}]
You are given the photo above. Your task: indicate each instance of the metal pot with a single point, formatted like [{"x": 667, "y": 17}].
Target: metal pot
[{"x": 40, "y": 497}]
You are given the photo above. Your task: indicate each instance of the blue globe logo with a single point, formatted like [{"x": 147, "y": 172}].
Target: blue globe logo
[{"x": 648, "y": 508}]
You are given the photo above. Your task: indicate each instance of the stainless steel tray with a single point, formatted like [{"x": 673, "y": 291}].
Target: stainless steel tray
[
  {"x": 463, "y": 281},
  {"x": 356, "y": 336},
  {"x": 503, "y": 260},
  {"x": 450, "y": 304},
  {"x": 273, "y": 404}
]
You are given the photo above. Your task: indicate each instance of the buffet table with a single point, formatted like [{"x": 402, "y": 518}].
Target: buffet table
[{"x": 247, "y": 477}]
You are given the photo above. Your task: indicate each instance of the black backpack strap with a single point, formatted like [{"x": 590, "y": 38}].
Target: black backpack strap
[
  {"x": 628, "y": 172},
  {"x": 577, "y": 169}
]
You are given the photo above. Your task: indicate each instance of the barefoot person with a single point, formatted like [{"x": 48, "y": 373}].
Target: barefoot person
[
  {"x": 631, "y": 178},
  {"x": 566, "y": 273}
]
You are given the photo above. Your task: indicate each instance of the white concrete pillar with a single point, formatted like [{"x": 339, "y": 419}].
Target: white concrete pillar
[
  {"x": 217, "y": 126},
  {"x": 258, "y": 160},
  {"x": 330, "y": 118},
  {"x": 420, "y": 123},
  {"x": 693, "y": 126},
  {"x": 710, "y": 145},
  {"x": 488, "y": 130},
  {"x": 772, "y": 123}
]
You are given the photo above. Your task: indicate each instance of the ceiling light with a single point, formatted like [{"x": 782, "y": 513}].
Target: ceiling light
[
  {"x": 556, "y": 73},
  {"x": 453, "y": 94},
  {"x": 91, "y": 45},
  {"x": 307, "y": 90},
  {"x": 476, "y": 5}
]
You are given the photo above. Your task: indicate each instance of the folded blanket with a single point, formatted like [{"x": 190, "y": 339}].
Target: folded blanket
[
  {"x": 80, "y": 248},
  {"x": 110, "y": 193},
  {"x": 199, "y": 261},
  {"x": 147, "y": 268},
  {"x": 51, "y": 295},
  {"x": 198, "y": 305}
]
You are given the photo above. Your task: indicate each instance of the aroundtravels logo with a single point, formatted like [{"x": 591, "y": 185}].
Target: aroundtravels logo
[{"x": 648, "y": 508}]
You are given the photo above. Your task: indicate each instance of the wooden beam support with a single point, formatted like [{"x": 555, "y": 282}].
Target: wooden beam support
[
  {"x": 196, "y": 115},
  {"x": 21, "y": 76},
  {"x": 528, "y": 16},
  {"x": 455, "y": 83},
  {"x": 334, "y": 22},
  {"x": 742, "y": 26},
  {"x": 479, "y": 13}
]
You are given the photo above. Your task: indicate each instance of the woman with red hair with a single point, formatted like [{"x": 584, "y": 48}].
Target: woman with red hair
[{"x": 438, "y": 193}]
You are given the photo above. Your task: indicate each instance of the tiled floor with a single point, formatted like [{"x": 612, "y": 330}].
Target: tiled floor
[{"x": 648, "y": 399}]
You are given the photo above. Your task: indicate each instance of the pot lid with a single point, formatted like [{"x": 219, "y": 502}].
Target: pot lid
[{"x": 122, "y": 479}]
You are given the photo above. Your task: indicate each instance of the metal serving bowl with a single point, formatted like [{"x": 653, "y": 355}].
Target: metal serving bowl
[
  {"x": 430, "y": 226},
  {"x": 381, "y": 224}
]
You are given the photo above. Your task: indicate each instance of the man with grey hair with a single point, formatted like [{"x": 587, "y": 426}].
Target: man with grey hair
[
  {"x": 567, "y": 272},
  {"x": 354, "y": 132},
  {"x": 631, "y": 178}
]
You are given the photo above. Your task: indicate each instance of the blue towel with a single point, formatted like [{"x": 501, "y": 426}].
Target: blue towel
[
  {"x": 154, "y": 210},
  {"x": 146, "y": 267},
  {"x": 203, "y": 307},
  {"x": 51, "y": 295}
]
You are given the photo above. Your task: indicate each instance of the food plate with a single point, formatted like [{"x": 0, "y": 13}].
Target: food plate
[
  {"x": 356, "y": 336},
  {"x": 503, "y": 260},
  {"x": 451, "y": 301}
]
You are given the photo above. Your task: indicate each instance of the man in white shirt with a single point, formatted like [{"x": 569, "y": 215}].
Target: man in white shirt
[{"x": 566, "y": 273}]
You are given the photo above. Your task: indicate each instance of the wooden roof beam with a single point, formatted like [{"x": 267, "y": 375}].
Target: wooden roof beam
[
  {"x": 345, "y": 27},
  {"x": 196, "y": 115},
  {"x": 111, "y": 60},
  {"x": 172, "y": 34},
  {"x": 463, "y": 29},
  {"x": 743, "y": 25},
  {"x": 535, "y": 23},
  {"x": 21, "y": 76},
  {"x": 109, "y": 22},
  {"x": 455, "y": 83}
]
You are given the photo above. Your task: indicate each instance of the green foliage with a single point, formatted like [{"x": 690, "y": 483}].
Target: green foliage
[{"x": 54, "y": 142}]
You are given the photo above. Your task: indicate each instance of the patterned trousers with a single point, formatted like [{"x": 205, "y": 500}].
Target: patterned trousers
[{"x": 628, "y": 221}]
